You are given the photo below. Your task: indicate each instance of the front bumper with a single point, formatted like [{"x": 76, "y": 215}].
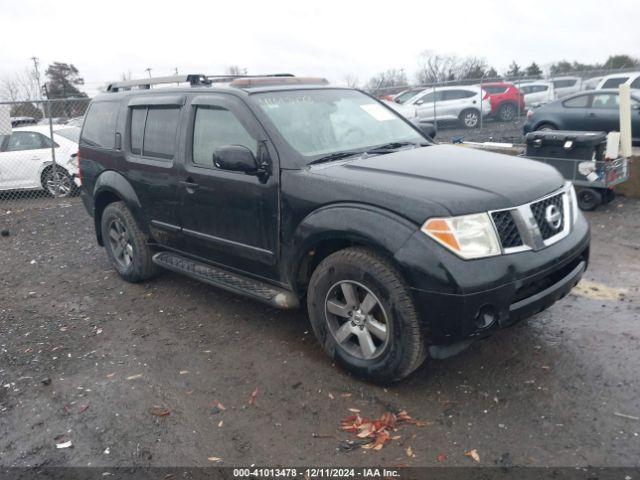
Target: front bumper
[{"x": 459, "y": 301}]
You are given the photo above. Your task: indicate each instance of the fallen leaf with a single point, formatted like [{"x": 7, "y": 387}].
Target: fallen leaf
[
  {"x": 159, "y": 411},
  {"x": 473, "y": 454},
  {"x": 220, "y": 423},
  {"x": 214, "y": 459},
  {"x": 110, "y": 375},
  {"x": 254, "y": 396},
  {"x": 184, "y": 372},
  {"x": 218, "y": 404},
  {"x": 409, "y": 452},
  {"x": 83, "y": 408},
  {"x": 331, "y": 396}
]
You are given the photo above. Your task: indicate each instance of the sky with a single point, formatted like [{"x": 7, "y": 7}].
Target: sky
[{"x": 328, "y": 38}]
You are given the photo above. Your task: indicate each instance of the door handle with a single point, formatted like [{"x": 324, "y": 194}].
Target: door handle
[{"x": 189, "y": 185}]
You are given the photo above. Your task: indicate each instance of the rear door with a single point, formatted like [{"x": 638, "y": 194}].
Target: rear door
[
  {"x": 151, "y": 159},
  {"x": 229, "y": 218},
  {"x": 604, "y": 113},
  {"x": 425, "y": 105}
]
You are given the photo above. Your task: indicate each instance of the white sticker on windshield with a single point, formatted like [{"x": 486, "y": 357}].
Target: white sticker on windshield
[{"x": 378, "y": 112}]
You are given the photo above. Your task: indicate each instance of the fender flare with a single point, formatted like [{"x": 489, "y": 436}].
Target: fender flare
[
  {"x": 110, "y": 183},
  {"x": 359, "y": 223}
]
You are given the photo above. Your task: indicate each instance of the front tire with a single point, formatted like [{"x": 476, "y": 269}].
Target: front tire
[
  {"x": 364, "y": 317},
  {"x": 546, "y": 127},
  {"x": 126, "y": 244},
  {"x": 470, "y": 118},
  {"x": 507, "y": 112}
]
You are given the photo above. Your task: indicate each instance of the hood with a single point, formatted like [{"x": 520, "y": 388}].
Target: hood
[{"x": 459, "y": 179}]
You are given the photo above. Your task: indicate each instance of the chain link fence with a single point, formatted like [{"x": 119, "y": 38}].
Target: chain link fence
[
  {"x": 461, "y": 112},
  {"x": 38, "y": 160}
]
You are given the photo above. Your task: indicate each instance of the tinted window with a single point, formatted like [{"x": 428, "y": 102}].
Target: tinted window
[
  {"x": 216, "y": 127},
  {"x": 494, "y": 89},
  {"x": 457, "y": 94},
  {"x": 605, "y": 100},
  {"x": 27, "y": 141},
  {"x": 160, "y": 133},
  {"x": 429, "y": 97},
  {"x": 577, "y": 102},
  {"x": 100, "y": 125},
  {"x": 403, "y": 97},
  {"x": 636, "y": 83},
  {"x": 614, "y": 82},
  {"x": 138, "y": 116},
  {"x": 564, "y": 83}
]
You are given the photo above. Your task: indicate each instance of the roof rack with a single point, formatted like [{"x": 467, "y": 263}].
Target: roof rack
[{"x": 194, "y": 79}]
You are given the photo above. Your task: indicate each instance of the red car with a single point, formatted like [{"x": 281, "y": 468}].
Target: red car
[{"x": 505, "y": 98}]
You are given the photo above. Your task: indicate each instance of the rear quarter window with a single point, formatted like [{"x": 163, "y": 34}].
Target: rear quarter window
[
  {"x": 614, "y": 82},
  {"x": 160, "y": 132},
  {"x": 577, "y": 102},
  {"x": 100, "y": 125}
]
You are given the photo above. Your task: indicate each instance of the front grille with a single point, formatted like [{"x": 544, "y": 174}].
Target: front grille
[
  {"x": 507, "y": 229},
  {"x": 539, "y": 210}
]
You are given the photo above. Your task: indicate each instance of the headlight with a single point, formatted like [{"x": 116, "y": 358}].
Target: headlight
[
  {"x": 574, "y": 204},
  {"x": 469, "y": 236}
]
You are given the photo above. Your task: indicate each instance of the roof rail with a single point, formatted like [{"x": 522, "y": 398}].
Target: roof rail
[{"x": 194, "y": 79}]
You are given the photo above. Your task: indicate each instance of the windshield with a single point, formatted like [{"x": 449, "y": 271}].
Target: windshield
[
  {"x": 320, "y": 122},
  {"x": 404, "y": 96},
  {"x": 71, "y": 133}
]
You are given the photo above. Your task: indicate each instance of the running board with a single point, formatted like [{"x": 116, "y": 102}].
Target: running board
[{"x": 263, "y": 292}]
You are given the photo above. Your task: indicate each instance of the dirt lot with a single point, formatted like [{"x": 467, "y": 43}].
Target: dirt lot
[
  {"x": 491, "y": 131},
  {"x": 86, "y": 356}
]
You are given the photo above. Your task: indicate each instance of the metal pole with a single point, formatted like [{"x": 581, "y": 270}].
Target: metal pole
[
  {"x": 435, "y": 115},
  {"x": 54, "y": 175},
  {"x": 481, "y": 103}
]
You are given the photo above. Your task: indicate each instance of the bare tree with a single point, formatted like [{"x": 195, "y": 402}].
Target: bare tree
[
  {"x": 434, "y": 67},
  {"x": 236, "y": 70},
  {"x": 386, "y": 80},
  {"x": 19, "y": 86},
  {"x": 351, "y": 81}
]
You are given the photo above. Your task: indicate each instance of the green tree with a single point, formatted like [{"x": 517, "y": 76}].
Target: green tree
[
  {"x": 64, "y": 79},
  {"x": 514, "y": 70},
  {"x": 533, "y": 70},
  {"x": 621, "y": 61}
]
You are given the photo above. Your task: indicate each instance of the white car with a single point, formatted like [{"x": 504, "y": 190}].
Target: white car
[
  {"x": 463, "y": 104},
  {"x": 591, "y": 83},
  {"x": 26, "y": 160},
  {"x": 616, "y": 79},
  {"x": 537, "y": 93},
  {"x": 564, "y": 86}
]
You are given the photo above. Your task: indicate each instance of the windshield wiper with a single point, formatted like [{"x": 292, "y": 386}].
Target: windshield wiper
[
  {"x": 334, "y": 156},
  {"x": 393, "y": 146}
]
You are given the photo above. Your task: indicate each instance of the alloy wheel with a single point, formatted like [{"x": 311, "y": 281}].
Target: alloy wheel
[
  {"x": 356, "y": 319},
  {"x": 120, "y": 243},
  {"x": 58, "y": 184},
  {"x": 470, "y": 119}
]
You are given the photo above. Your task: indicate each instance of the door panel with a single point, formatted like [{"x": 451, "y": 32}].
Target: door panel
[
  {"x": 604, "y": 113},
  {"x": 22, "y": 158},
  {"x": 229, "y": 218}
]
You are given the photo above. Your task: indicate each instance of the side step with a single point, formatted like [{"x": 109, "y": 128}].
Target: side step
[{"x": 263, "y": 292}]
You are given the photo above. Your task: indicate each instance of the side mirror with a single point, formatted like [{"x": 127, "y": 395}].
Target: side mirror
[
  {"x": 428, "y": 129},
  {"x": 235, "y": 158}
]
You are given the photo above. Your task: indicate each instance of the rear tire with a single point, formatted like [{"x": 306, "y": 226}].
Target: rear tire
[
  {"x": 589, "y": 199},
  {"x": 126, "y": 244},
  {"x": 507, "y": 112},
  {"x": 470, "y": 118},
  {"x": 373, "y": 331},
  {"x": 546, "y": 127}
]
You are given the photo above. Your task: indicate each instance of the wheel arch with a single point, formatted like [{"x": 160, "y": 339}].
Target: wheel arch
[
  {"x": 112, "y": 187},
  {"x": 338, "y": 226}
]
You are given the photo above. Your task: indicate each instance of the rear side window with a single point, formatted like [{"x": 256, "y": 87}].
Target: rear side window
[
  {"x": 153, "y": 131},
  {"x": 581, "y": 101},
  {"x": 27, "y": 141},
  {"x": 614, "y": 82},
  {"x": 458, "y": 94},
  {"x": 636, "y": 83},
  {"x": 100, "y": 125},
  {"x": 564, "y": 83},
  {"x": 214, "y": 128},
  {"x": 494, "y": 89},
  {"x": 605, "y": 101}
]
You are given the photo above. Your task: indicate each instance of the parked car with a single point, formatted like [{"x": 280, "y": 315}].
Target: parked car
[
  {"x": 597, "y": 110},
  {"x": 286, "y": 191},
  {"x": 442, "y": 104},
  {"x": 21, "y": 121},
  {"x": 506, "y": 100},
  {"x": 26, "y": 161},
  {"x": 563, "y": 86},
  {"x": 537, "y": 93},
  {"x": 591, "y": 83},
  {"x": 616, "y": 79}
]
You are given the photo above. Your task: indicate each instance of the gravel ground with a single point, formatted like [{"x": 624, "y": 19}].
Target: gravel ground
[
  {"x": 133, "y": 375},
  {"x": 491, "y": 131}
]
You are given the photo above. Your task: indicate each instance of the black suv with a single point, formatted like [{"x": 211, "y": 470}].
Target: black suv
[{"x": 291, "y": 191}]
